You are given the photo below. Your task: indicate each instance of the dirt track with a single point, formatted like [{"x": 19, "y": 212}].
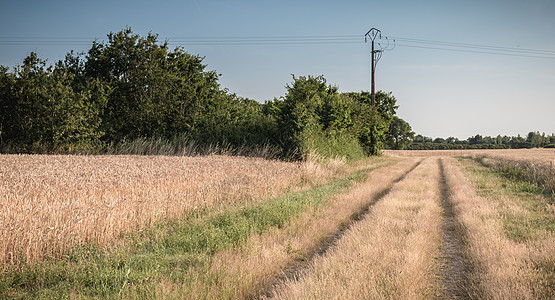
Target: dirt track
[{"x": 424, "y": 236}]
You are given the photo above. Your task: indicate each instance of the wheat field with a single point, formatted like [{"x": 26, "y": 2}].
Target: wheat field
[{"x": 50, "y": 204}]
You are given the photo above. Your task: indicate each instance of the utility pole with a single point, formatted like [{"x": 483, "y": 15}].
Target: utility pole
[{"x": 374, "y": 34}]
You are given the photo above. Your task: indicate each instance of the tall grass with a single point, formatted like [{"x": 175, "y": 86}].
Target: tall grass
[
  {"x": 542, "y": 155},
  {"x": 531, "y": 171},
  {"x": 535, "y": 166},
  {"x": 174, "y": 251},
  {"x": 179, "y": 145},
  {"x": 248, "y": 271},
  {"x": 183, "y": 146}
]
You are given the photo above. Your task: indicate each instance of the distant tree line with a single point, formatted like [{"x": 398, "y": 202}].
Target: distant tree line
[
  {"x": 134, "y": 87},
  {"x": 532, "y": 140}
]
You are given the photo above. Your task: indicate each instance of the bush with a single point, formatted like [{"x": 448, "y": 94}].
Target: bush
[{"x": 330, "y": 144}]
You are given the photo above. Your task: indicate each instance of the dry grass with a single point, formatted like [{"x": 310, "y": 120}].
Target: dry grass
[
  {"x": 252, "y": 268},
  {"x": 50, "y": 204},
  {"x": 389, "y": 254},
  {"x": 537, "y": 166},
  {"x": 506, "y": 269}
]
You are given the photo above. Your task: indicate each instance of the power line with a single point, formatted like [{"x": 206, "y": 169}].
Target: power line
[
  {"x": 291, "y": 40},
  {"x": 477, "y": 46},
  {"x": 474, "y": 51}
]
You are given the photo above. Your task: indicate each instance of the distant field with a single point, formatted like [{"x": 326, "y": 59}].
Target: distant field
[
  {"x": 536, "y": 166},
  {"x": 544, "y": 155}
]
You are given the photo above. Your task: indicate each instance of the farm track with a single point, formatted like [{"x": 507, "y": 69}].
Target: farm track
[
  {"x": 407, "y": 242},
  {"x": 359, "y": 215},
  {"x": 295, "y": 271}
]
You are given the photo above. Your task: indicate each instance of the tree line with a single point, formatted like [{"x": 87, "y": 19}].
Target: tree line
[
  {"x": 132, "y": 87},
  {"x": 532, "y": 140}
]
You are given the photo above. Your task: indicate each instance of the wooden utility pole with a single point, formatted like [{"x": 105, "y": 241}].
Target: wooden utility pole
[{"x": 372, "y": 34}]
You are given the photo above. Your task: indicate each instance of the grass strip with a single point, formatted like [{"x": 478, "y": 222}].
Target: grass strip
[
  {"x": 525, "y": 175},
  {"x": 526, "y": 209},
  {"x": 165, "y": 251}
]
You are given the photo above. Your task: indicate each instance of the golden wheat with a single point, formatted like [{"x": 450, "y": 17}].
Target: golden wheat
[{"x": 51, "y": 203}]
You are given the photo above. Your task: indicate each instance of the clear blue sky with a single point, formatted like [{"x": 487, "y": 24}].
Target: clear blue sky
[{"x": 440, "y": 93}]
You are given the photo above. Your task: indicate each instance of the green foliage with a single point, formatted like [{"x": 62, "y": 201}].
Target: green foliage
[
  {"x": 318, "y": 143},
  {"x": 301, "y": 108},
  {"x": 314, "y": 118},
  {"x": 156, "y": 92},
  {"x": 371, "y": 124},
  {"x": 534, "y": 139},
  {"x": 43, "y": 108},
  {"x": 128, "y": 88},
  {"x": 233, "y": 120},
  {"x": 134, "y": 92},
  {"x": 400, "y": 134}
]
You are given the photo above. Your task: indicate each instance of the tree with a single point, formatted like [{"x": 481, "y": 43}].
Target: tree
[
  {"x": 371, "y": 124},
  {"x": 313, "y": 113},
  {"x": 451, "y": 140},
  {"x": 234, "y": 121},
  {"x": 134, "y": 87},
  {"x": 477, "y": 139},
  {"x": 439, "y": 141},
  {"x": 155, "y": 91},
  {"x": 534, "y": 139},
  {"x": 8, "y": 105},
  {"x": 499, "y": 140},
  {"x": 400, "y": 134},
  {"x": 301, "y": 109},
  {"x": 46, "y": 109},
  {"x": 420, "y": 139}
]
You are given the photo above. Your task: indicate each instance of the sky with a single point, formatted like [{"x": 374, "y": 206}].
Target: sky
[{"x": 441, "y": 93}]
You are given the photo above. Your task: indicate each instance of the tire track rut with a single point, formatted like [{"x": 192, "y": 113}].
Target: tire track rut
[{"x": 455, "y": 266}]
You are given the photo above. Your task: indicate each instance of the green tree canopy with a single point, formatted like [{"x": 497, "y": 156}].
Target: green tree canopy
[
  {"x": 155, "y": 91},
  {"x": 400, "y": 134}
]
